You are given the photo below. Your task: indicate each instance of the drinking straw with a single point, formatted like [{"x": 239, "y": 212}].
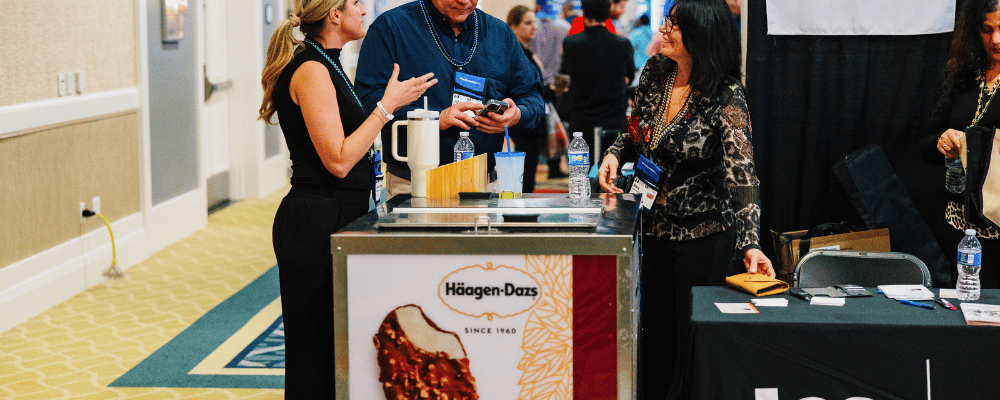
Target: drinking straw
[{"x": 507, "y": 134}]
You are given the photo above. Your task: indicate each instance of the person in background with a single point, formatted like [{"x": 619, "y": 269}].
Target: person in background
[
  {"x": 690, "y": 119},
  {"x": 640, "y": 37},
  {"x": 547, "y": 47},
  {"x": 735, "y": 7},
  {"x": 599, "y": 64},
  {"x": 616, "y": 11},
  {"x": 521, "y": 21},
  {"x": 971, "y": 78},
  {"x": 330, "y": 137},
  {"x": 568, "y": 14},
  {"x": 465, "y": 47}
]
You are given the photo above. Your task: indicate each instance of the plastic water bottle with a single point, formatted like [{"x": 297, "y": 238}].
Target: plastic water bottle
[
  {"x": 954, "y": 175},
  {"x": 969, "y": 263},
  {"x": 464, "y": 149},
  {"x": 579, "y": 167}
]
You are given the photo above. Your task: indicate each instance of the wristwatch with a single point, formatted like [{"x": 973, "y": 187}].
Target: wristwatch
[{"x": 388, "y": 115}]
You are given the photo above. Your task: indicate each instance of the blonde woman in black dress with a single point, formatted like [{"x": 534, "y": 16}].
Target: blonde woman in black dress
[{"x": 329, "y": 136}]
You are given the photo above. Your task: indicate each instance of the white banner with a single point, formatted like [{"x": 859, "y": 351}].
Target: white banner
[{"x": 860, "y": 17}]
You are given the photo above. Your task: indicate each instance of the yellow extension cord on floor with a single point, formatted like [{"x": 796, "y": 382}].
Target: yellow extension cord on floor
[{"x": 113, "y": 272}]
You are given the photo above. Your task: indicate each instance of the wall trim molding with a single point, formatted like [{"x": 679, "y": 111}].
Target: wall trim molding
[
  {"x": 177, "y": 218},
  {"x": 24, "y": 118},
  {"x": 46, "y": 279}
]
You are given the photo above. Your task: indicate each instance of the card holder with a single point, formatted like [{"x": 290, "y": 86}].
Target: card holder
[
  {"x": 854, "y": 290},
  {"x": 844, "y": 290}
]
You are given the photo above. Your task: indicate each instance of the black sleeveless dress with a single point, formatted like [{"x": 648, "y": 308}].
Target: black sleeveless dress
[{"x": 317, "y": 205}]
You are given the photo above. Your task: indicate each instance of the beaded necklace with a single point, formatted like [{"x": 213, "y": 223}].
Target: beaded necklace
[
  {"x": 980, "y": 108},
  {"x": 371, "y": 150},
  {"x": 434, "y": 34},
  {"x": 663, "y": 124},
  {"x": 335, "y": 67}
]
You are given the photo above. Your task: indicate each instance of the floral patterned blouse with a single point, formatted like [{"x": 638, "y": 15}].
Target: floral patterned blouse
[{"x": 708, "y": 183}]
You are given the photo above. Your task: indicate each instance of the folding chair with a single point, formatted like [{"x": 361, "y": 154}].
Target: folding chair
[{"x": 831, "y": 267}]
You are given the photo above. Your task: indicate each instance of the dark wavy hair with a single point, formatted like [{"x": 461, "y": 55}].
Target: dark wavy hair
[
  {"x": 597, "y": 10},
  {"x": 709, "y": 35},
  {"x": 967, "y": 58}
]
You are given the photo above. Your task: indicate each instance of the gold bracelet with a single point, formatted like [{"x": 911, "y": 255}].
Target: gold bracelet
[{"x": 380, "y": 117}]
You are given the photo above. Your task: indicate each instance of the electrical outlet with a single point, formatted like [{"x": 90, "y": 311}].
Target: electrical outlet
[
  {"x": 96, "y": 202},
  {"x": 63, "y": 89},
  {"x": 83, "y": 206},
  {"x": 81, "y": 84},
  {"x": 70, "y": 83}
]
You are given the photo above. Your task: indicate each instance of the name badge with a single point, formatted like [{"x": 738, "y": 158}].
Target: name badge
[
  {"x": 468, "y": 88},
  {"x": 647, "y": 179},
  {"x": 377, "y": 175}
]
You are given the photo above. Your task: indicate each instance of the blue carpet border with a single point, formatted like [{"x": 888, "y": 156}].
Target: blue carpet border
[{"x": 169, "y": 365}]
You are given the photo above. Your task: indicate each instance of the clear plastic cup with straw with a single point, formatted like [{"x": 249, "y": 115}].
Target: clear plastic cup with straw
[{"x": 510, "y": 171}]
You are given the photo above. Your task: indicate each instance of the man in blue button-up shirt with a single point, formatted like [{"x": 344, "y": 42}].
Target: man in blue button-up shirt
[{"x": 445, "y": 37}]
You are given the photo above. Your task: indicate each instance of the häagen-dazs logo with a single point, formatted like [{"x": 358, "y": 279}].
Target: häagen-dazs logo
[{"x": 489, "y": 291}]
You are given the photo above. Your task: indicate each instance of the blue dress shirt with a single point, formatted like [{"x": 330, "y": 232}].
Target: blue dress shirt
[{"x": 403, "y": 35}]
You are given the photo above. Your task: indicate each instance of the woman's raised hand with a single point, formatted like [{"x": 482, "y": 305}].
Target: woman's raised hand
[{"x": 398, "y": 94}]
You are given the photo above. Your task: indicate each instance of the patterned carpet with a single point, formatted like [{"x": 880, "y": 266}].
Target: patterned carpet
[{"x": 78, "y": 348}]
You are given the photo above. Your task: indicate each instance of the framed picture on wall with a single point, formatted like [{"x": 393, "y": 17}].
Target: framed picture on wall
[{"x": 172, "y": 20}]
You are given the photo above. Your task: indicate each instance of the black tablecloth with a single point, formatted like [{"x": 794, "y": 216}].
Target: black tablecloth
[{"x": 871, "y": 347}]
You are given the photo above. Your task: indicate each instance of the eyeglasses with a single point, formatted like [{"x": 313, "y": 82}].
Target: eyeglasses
[{"x": 669, "y": 23}]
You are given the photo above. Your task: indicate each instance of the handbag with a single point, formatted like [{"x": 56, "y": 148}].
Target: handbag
[
  {"x": 790, "y": 247},
  {"x": 982, "y": 177},
  {"x": 757, "y": 284}
]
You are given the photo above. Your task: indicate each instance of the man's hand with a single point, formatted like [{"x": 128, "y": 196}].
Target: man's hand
[
  {"x": 456, "y": 115},
  {"x": 494, "y": 123}
]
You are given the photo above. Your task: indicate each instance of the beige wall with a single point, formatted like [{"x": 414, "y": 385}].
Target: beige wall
[
  {"x": 42, "y": 38},
  {"x": 499, "y": 8},
  {"x": 47, "y": 171},
  {"x": 46, "y": 174}
]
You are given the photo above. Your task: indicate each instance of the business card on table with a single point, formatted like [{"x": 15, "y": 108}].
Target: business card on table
[
  {"x": 827, "y": 301},
  {"x": 737, "y": 308},
  {"x": 772, "y": 302},
  {"x": 948, "y": 293}
]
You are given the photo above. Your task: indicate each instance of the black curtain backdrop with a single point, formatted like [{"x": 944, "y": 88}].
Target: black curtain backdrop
[{"x": 815, "y": 99}]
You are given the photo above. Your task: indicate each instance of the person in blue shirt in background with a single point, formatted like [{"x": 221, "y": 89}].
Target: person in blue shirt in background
[
  {"x": 452, "y": 39},
  {"x": 640, "y": 37}
]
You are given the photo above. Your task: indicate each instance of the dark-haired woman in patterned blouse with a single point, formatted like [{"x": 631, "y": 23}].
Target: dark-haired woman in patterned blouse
[{"x": 690, "y": 118}]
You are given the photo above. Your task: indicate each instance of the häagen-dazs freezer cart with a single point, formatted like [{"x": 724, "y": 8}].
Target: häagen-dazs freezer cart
[{"x": 530, "y": 298}]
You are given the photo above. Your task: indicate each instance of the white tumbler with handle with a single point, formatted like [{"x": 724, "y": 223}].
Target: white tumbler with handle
[{"x": 423, "y": 147}]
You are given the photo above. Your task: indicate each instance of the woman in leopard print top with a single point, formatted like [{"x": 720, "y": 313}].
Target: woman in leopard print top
[{"x": 690, "y": 118}]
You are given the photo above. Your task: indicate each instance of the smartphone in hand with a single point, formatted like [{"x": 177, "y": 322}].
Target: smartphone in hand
[{"x": 493, "y": 106}]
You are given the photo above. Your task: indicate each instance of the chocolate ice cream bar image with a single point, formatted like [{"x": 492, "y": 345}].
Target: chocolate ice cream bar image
[{"x": 419, "y": 360}]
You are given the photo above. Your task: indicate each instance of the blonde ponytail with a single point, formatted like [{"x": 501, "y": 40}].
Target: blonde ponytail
[
  {"x": 309, "y": 17},
  {"x": 280, "y": 51}
]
